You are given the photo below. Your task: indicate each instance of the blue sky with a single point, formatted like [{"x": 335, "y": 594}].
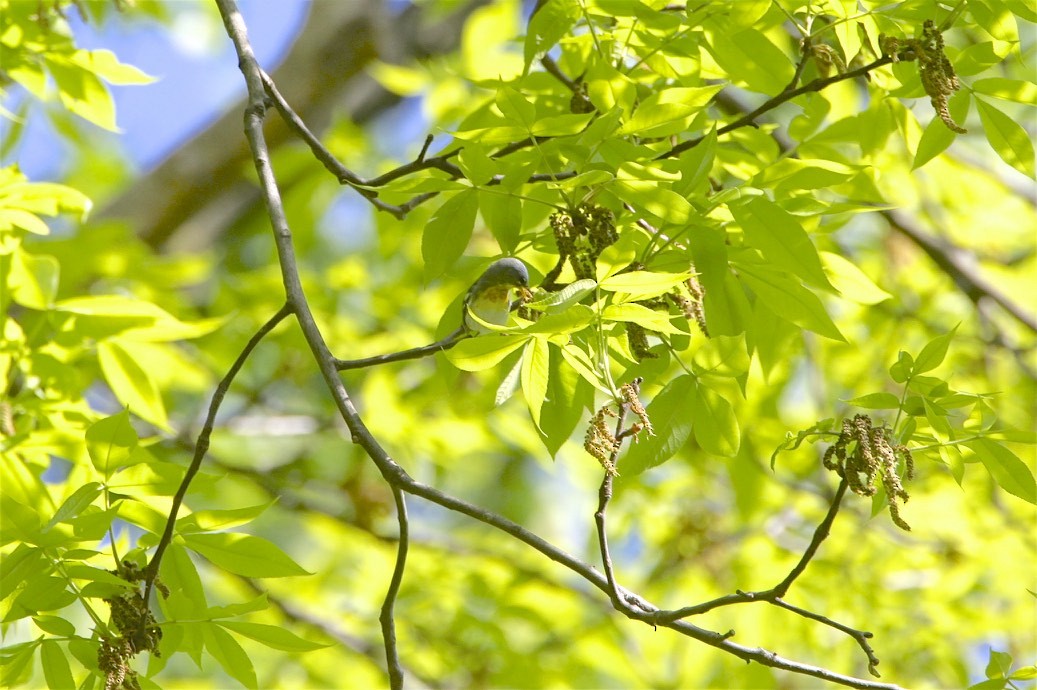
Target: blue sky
[{"x": 197, "y": 78}]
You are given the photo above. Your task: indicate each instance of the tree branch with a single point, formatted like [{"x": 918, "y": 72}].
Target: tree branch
[
  {"x": 395, "y": 475},
  {"x": 392, "y": 653},
  {"x": 413, "y": 353},
  {"x": 202, "y": 445}
]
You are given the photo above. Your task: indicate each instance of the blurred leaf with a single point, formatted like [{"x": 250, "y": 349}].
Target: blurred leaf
[{"x": 716, "y": 427}]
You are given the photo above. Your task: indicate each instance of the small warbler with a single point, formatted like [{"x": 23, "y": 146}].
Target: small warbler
[{"x": 489, "y": 298}]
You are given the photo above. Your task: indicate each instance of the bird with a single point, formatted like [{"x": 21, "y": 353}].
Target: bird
[{"x": 489, "y": 298}]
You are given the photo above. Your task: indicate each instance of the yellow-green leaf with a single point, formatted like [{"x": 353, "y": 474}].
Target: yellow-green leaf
[
  {"x": 536, "y": 362},
  {"x": 476, "y": 354}
]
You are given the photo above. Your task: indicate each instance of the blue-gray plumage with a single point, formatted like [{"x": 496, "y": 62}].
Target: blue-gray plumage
[{"x": 489, "y": 298}]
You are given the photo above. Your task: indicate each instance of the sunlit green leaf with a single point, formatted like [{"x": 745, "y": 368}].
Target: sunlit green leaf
[
  {"x": 244, "y": 554},
  {"x": 272, "y": 636},
  {"x": 476, "y": 354},
  {"x": 231, "y": 657},
  {"x": 715, "y": 424},
  {"x": 446, "y": 235},
  {"x": 131, "y": 382},
  {"x": 1007, "y": 137},
  {"x": 1012, "y": 474},
  {"x": 536, "y": 358},
  {"x": 781, "y": 239}
]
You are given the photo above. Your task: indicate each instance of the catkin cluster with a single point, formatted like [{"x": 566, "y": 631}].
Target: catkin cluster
[
  {"x": 864, "y": 452},
  {"x": 582, "y": 234},
  {"x": 138, "y": 630},
  {"x": 935, "y": 70},
  {"x": 601, "y": 442}
]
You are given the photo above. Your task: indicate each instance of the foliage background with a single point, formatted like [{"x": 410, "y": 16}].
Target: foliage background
[{"x": 478, "y": 609}]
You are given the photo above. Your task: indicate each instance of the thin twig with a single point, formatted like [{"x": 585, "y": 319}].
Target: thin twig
[
  {"x": 392, "y": 652},
  {"x": 781, "y": 589},
  {"x": 413, "y": 353},
  {"x": 604, "y": 496},
  {"x": 749, "y": 119},
  {"x": 202, "y": 445}
]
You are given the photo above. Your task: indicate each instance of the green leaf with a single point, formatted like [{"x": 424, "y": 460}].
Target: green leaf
[
  {"x": 651, "y": 319},
  {"x": 663, "y": 205},
  {"x": 1018, "y": 91},
  {"x": 1024, "y": 673},
  {"x": 110, "y": 442},
  {"x": 561, "y": 125},
  {"x": 105, "y": 65},
  {"x": 75, "y": 504},
  {"x": 672, "y": 418},
  {"x": 790, "y": 300},
  {"x": 568, "y": 395},
  {"x": 244, "y": 554},
  {"x": 210, "y": 520},
  {"x": 515, "y": 108},
  {"x": 477, "y": 165},
  {"x": 998, "y": 664},
  {"x": 937, "y": 136},
  {"x": 725, "y": 304},
  {"x": 638, "y": 285},
  {"x": 476, "y": 354},
  {"x": 226, "y": 650},
  {"x": 82, "y": 92},
  {"x": 1012, "y": 474},
  {"x": 851, "y": 282},
  {"x": 549, "y": 23},
  {"x": 55, "y": 625},
  {"x": 1007, "y": 137},
  {"x": 132, "y": 384},
  {"x": 581, "y": 362},
  {"x": 575, "y": 318},
  {"x": 781, "y": 239},
  {"x": 564, "y": 298},
  {"x": 696, "y": 164},
  {"x": 503, "y": 216},
  {"x": 272, "y": 636},
  {"x": 659, "y": 120},
  {"x": 447, "y": 234},
  {"x": 56, "y": 670},
  {"x": 33, "y": 280},
  {"x": 876, "y": 401},
  {"x": 933, "y": 353},
  {"x": 536, "y": 360},
  {"x": 17, "y": 663},
  {"x": 716, "y": 427},
  {"x": 750, "y": 58},
  {"x": 900, "y": 371},
  {"x": 508, "y": 385}
]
